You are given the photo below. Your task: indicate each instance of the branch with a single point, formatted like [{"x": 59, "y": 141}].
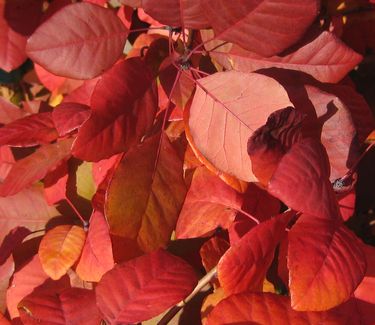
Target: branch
[{"x": 175, "y": 309}]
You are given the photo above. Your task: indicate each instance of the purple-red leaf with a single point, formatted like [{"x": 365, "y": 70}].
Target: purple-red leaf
[
  {"x": 63, "y": 43},
  {"x": 144, "y": 287},
  {"x": 120, "y": 115},
  {"x": 29, "y": 131},
  {"x": 69, "y": 116}
]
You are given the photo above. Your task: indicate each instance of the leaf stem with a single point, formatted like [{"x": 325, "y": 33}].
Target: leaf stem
[
  {"x": 84, "y": 222},
  {"x": 138, "y": 30},
  {"x": 249, "y": 216},
  {"x": 175, "y": 309}
]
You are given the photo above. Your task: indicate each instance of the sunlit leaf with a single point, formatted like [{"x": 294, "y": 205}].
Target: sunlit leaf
[
  {"x": 227, "y": 108},
  {"x": 339, "y": 263},
  {"x": 60, "y": 248},
  {"x": 76, "y": 32}
]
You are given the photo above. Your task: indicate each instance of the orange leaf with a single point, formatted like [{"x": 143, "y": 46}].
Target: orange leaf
[{"x": 60, "y": 248}]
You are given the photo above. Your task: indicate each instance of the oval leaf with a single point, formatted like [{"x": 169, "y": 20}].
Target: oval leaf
[
  {"x": 227, "y": 108},
  {"x": 60, "y": 248},
  {"x": 144, "y": 287},
  {"x": 76, "y": 32}
]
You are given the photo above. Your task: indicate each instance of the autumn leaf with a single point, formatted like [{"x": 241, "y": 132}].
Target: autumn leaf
[
  {"x": 120, "y": 116},
  {"x": 141, "y": 288},
  {"x": 61, "y": 44},
  {"x": 143, "y": 205},
  {"x": 249, "y": 23},
  {"x": 227, "y": 108},
  {"x": 209, "y": 203},
  {"x": 97, "y": 257},
  {"x": 255, "y": 250},
  {"x": 60, "y": 248},
  {"x": 322, "y": 285}
]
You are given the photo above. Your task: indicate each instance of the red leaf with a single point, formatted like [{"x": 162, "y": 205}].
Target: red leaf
[
  {"x": 186, "y": 13},
  {"x": 60, "y": 308},
  {"x": 27, "y": 208},
  {"x": 139, "y": 289},
  {"x": 211, "y": 252},
  {"x": 24, "y": 282},
  {"x": 82, "y": 95},
  {"x": 249, "y": 23},
  {"x": 301, "y": 180},
  {"x": 29, "y": 131},
  {"x": 269, "y": 143},
  {"x": 259, "y": 203},
  {"x": 209, "y": 203},
  {"x": 97, "y": 257},
  {"x": 268, "y": 309},
  {"x": 23, "y": 16},
  {"x": 326, "y": 58},
  {"x": 227, "y": 108},
  {"x": 63, "y": 43},
  {"x": 255, "y": 250},
  {"x": 69, "y": 116},
  {"x": 11, "y": 241},
  {"x": 120, "y": 115},
  {"x": 6, "y": 161},
  {"x": 12, "y": 50},
  {"x": 339, "y": 263},
  {"x": 35, "y": 166}
]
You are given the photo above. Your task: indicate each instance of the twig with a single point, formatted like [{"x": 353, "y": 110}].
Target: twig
[{"x": 175, "y": 309}]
